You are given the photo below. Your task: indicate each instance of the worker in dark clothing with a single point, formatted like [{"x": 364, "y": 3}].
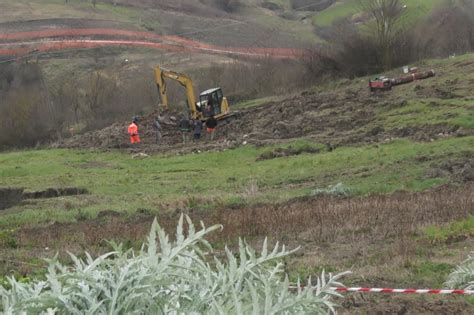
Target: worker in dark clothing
[
  {"x": 197, "y": 124},
  {"x": 211, "y": 125},
  {"x": 157, "y": 128},
  {"x": 210, "y": 106},
  {"x": 185, "y": 128}
]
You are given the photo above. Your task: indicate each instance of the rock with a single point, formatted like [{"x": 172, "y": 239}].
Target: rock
[
  {"x": 467, "y": 173},
  {"x": 140, "y": 155}
]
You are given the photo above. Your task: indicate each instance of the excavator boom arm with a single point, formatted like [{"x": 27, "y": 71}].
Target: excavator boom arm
[{"x": 162, "y": 74}]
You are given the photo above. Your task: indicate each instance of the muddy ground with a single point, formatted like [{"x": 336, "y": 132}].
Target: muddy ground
[{"x": 348, "y": 117}]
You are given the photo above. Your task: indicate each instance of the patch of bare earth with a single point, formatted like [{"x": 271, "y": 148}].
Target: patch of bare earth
[
  {"x": 347, "y": 117},
  {"x": 401, "y": 305}
]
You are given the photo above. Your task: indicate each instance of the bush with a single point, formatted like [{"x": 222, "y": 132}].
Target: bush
[
  {"x": 176, "y": 279},
  {"x": 353, "y": 52},
  {"x": 338, "y": 190},
  {"x": 463, "y": 275},
  {"x": 434, "y": 37}
]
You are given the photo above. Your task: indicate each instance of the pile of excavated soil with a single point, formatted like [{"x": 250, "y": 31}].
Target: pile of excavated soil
[
  {"x": 344, "y": 118},
  {"x": 116, "y": 137},
  {"x": 461, "y": 170}
]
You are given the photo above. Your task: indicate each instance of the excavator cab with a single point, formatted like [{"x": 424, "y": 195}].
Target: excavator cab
[{"x": 213, "y": 103}]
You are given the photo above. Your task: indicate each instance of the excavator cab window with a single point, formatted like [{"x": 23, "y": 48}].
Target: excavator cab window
[{"x": 212, "y": 102}]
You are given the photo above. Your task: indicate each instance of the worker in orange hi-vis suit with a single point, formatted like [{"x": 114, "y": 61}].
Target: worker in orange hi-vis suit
[{"x": 133, "y": 131}]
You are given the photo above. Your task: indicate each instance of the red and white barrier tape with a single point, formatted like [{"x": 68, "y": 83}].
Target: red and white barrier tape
[{"x": 403, "y": 291}]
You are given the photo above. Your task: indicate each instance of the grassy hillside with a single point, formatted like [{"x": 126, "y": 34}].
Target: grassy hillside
[
  {"x": 245, "y": 27},
  {"x": 380, "y": 183},
  {"x": 387, "y": 156},
  {"x": 122, "y": 184},
  {"x": 348, "y": 8}
]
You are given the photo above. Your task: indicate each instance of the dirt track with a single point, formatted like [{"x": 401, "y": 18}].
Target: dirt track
[{"x": 21, "y": 43}]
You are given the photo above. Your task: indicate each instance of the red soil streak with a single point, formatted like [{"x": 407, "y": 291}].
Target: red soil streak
[{"x": 16, "y": 45}]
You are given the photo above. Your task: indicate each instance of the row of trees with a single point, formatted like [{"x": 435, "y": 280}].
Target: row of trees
[
  {"x": 392, "y": 34},
  {"x": 36, "y": 109}
]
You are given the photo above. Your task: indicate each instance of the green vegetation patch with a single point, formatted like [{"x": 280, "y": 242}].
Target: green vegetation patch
[
  {"x": 160, "y": 183},
  {"x": 429, "y": 111},
  {"x": 459, "y": 229},
  {"x": 431, "y": 273},
  {"x": 335, "y": 12}
]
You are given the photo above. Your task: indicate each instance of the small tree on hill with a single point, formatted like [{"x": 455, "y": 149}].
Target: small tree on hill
[{"x": 387, "y": 25}]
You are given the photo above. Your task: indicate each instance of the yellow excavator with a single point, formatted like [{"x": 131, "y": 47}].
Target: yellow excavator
[{"x": 211, "y": 102}]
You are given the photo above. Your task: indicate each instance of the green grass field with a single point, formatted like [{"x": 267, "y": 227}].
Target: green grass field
[
  {"x": 162, "y": 183},
  {"x": 429, "y": 112}
]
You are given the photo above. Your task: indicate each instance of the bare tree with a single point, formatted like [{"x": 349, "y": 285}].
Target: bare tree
[
  {"x": 387, "y": 25},
  {"x": 448, "y": 30},
  {"x": 99, "y": 98}
]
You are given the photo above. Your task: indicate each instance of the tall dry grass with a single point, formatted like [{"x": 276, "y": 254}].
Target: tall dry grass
[{"x": 329, "y": 219}]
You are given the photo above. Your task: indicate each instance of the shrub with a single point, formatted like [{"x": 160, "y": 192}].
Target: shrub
[
  {"x": 338, "y": 190},
  {"x": 457, "y": 229},
  {"x": 179, "y": 278},
  {"x": 463, "y": 275}
]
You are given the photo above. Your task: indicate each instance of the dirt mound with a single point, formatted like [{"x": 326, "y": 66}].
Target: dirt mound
[
  {"x": 326, "y": 116},
  {"x": 344, "y": 116},
  {"x": 10, "y": 197},
  {"x": 283, "y": 152},
  {"x": 398, "y": 304},
  {"x": 115, "y": 136},
  {"x": 55, "y": 192},
  {"x": 461, "y": 170}
]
